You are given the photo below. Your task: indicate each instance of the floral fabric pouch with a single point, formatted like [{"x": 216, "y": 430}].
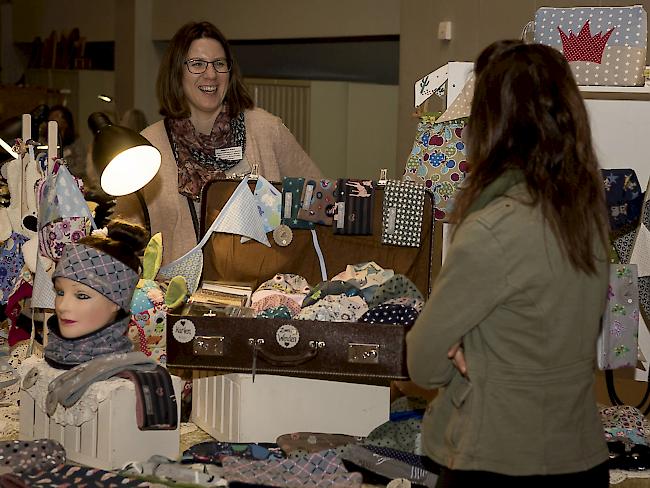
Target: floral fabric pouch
[{"x": 618, "y": 340}]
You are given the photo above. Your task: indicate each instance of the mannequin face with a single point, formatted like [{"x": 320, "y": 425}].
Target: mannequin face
[
  {"x": 80, "y": 309},
  {"x": 205, "y": 92}
]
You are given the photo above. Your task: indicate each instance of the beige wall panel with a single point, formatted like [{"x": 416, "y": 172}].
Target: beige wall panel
[
  {"x": 372, "y": 129},
  {"x": 95, "y": 19},
  {"x": 328, "y": 140},
  {"x": 503, "y": 19},
  {"x": 280, "y": 19}
]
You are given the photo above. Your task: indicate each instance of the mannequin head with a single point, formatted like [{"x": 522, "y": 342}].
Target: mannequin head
[{"x": 95, "y": 279}]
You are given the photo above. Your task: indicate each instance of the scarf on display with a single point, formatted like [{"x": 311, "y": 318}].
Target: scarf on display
[
  {"x": 66, "y": 353},
  {"x": 496, "y": 189},
  {"x": 195, "y": 153}
]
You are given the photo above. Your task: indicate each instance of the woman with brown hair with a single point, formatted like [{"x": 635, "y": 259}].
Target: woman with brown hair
[
  {"x": 211, "y": 128},
  {"x": 511, "y": 325}
]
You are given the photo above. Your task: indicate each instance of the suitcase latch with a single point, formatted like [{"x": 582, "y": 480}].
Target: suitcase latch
[
  {"x": 208, "y": 346},
  {"x": 363, "y": 353}
]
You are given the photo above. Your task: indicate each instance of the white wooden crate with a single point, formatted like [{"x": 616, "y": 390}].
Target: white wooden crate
[
  {"x": 232, "y": 408},
  {"x": 110, "y": 439}
]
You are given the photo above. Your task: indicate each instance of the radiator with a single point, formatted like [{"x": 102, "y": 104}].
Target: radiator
[{"x": 288, "y": 99}]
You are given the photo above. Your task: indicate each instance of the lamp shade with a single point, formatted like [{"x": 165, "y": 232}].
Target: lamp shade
[{"x": 125, "y": 161}]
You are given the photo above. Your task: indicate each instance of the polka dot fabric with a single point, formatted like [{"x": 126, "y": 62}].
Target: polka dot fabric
[
  {"x": 390, "y": 314},
  {"x": 28, "y": 456},
  {"x": 604, "y": 45}
]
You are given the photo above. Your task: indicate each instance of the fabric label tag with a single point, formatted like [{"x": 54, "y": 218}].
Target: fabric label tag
[
  {"x": 306, "y": 201},
  {"x": 392, "y": 216},
  {"x": 230, "y": 153},
  {"x": 339, "y": 216},
  {"x": 288, "y": 201}
]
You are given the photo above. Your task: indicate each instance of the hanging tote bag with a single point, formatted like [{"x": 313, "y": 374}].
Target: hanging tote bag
[{"x": 604, "y": 45}]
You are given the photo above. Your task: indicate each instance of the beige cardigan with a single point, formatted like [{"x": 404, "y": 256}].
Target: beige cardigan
[{"x": 269, "y": 144}]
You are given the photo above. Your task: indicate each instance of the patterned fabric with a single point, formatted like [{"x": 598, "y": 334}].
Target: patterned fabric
[
  {"x": 623, "y": 245},
  {"x": 279, "y": 312},
  {"x": 63, "y": 214},
  {"x": 148, "y": 332},
  {"x": 604, "y": 45},
  {"x": 269, "y": 203},
  {"x": 318, "y": 201},
  {"x": 285, "y": 283},
  {"x": 275, "y": 301},
  {"x": 214, "y": 452},
  {"x": 624, "y": 199},
  {"x": 439, "y": 161},
  {"x": 11, "y": 264},
  {"x": 403, "y": 435},
  {"x": 98, "y": 270},
  {"x": 398, "y": 286},
  {"x": 317, "y": 470},
  {"x": 390, "y": 314},
  {"x": 334, "y": 287},
  {"x": 618, "y": 340},
  {"x": 300, "y": 444},
  {"x": 291, "y": 203},
  {"x": 190, "y": 266},
  {"x": 354, "y": 207},
  {"x": 388, "y": 464},
  {"x": 67, "y": 353},
  {"x": 335, "y": 308},
  {"x": 625, "y": 423},
  {"x": 30, "y": 456},
  {"x": 196, "y": 154},
  {"x": 66, "y": 475},
  {"x": 402, "y": 213},
  {"x": 415, "y": 303}
]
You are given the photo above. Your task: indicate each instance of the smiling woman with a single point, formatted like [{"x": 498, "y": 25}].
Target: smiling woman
[{"x": 211, "y": 128}]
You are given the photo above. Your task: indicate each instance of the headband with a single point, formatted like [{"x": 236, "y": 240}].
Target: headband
[{"x": 98, "y": 270}]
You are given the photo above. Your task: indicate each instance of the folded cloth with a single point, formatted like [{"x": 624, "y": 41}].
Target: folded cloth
[
  {"x": 68, "y": 388},
  {"x": 156, "y": 406},
  {"x": 66, "y": 475},
  {"x": 28, "y": 456}
]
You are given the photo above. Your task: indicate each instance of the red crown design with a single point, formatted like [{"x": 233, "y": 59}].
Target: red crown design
[{"x": 584, "y": 47}]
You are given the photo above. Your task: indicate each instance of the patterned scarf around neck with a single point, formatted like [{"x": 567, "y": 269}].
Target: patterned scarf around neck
[
  {"x": 67, "y": 353},
  {"x": 195, "y": 152}
]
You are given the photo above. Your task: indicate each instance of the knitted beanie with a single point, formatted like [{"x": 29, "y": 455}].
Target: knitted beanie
[{"x": 98, "y": 270}]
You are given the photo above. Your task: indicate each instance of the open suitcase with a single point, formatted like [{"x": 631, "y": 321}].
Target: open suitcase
[{"x": 372, "y": 354}]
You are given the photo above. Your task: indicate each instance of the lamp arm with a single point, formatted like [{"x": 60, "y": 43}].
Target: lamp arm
[{"x": 145, "y": 210}]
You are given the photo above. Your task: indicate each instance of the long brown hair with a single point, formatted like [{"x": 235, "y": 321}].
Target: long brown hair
[
  {"x": 528, "y": 114},
  {"x": 169, "y": 86}
]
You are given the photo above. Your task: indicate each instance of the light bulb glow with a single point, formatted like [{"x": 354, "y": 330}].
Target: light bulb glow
[{"x": 130, "y": 170}]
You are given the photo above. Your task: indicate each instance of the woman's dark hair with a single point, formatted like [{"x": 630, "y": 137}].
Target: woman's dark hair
[
  {"x": 125, "y": 242},
  {"x": 68, "y": 135},
  {"x": 528, "y": 114},
  {"x": 170, "y": 75}
]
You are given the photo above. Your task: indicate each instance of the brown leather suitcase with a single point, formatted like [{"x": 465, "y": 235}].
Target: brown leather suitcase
[{"x": 339, "y": 351}]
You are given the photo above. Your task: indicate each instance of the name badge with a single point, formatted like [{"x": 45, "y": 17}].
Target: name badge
[{"x": 229, "y": 153}]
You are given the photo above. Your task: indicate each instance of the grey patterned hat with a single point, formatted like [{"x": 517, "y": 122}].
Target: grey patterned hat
[{"x": 98, "y": 270}]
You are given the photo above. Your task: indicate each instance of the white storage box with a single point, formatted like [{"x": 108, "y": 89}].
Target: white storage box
[
  {"x": 111, "y": 438},
  {"x": 232, "y": 408}
]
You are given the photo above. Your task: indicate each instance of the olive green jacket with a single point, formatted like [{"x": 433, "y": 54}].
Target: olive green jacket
[{"x": 528, "y": 323}]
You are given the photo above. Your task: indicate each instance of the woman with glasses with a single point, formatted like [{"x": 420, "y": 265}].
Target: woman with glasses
[{"x": 211, "y": 128}]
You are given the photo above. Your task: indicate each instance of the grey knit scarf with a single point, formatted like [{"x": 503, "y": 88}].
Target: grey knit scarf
[{"x": 67, "y": 353}]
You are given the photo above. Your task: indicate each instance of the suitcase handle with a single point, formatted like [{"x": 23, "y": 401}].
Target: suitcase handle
[{"x": 281, "y": 360}]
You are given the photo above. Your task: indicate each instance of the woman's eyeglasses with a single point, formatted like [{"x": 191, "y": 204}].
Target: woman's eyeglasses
[{"x": 198, "y": 66}]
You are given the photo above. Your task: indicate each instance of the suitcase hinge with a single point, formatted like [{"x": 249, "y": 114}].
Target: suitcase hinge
[{"x": 363, "y": 353}]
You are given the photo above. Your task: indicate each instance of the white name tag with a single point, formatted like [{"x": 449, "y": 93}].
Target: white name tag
[{"x": 229, "y": 153}]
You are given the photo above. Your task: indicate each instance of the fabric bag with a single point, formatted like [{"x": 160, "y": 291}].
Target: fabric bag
[
  {"x": 438, "y": 160},
  {"x": 618, "y": 343},
  {"x": 355, "y": 201},
  {"x": 403, "y": 208},
  {"x": 604, "y": 45}
]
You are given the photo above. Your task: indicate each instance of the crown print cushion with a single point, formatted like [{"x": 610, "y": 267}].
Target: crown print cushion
[
  {"x": 604, "y": 45},
  {"x": 402, "y": 212}
]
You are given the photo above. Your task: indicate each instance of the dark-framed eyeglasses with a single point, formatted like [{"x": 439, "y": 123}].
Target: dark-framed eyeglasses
[{"x": 198, "y": 66}]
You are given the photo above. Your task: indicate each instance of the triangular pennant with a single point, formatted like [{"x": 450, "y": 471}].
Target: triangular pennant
[
  {"x": 43, "y": 294},
  {"x": 269, "y": 204},
  {"x": 240, "y": 216},
  {"x": 462, "y": 105},
  {"x": 61, "y": 198}
]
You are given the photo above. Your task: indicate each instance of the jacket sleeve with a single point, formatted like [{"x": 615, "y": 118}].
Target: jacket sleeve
[
  {"x": 470, "y": 285},
  {"x": 292, "y": 158}
]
